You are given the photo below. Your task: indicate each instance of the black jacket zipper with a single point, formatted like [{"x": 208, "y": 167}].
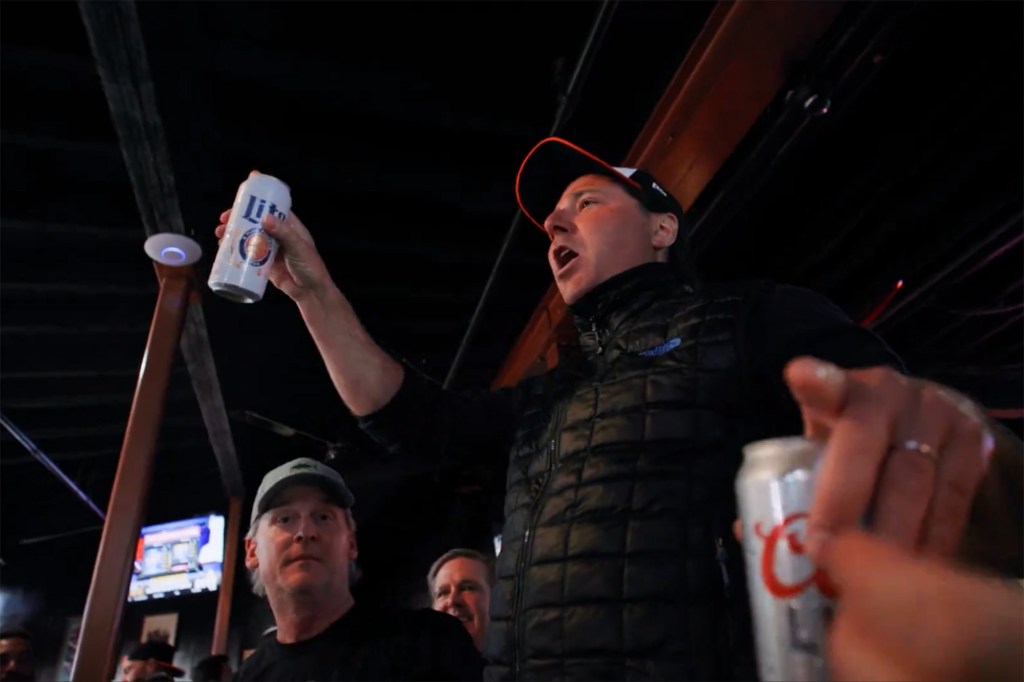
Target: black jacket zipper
[{"x": 528, "y": 537}]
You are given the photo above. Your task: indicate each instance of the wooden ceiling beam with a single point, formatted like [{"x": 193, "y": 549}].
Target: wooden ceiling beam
[{"x": 737, "y": 64}]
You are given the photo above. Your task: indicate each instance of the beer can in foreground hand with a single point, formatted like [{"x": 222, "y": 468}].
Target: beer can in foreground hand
[
  {"x": 790, "y": 599},
  {"x": 246, "y": 251}
]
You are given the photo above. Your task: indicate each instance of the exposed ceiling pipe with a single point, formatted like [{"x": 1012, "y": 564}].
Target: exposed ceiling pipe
[
  {"x": 1016, "y": 319},
  {"x": 963, "y": 316},
  {"x": 984, "y": 312},
  {"x": 991, "y": 257},
  {"x": 566, "y": 103},
  {"x": 830, "y": 75},
  {"x": 48, "y": 463},
  {"x": 969, "y": 253},
  {"x": 57, "y": 536}
]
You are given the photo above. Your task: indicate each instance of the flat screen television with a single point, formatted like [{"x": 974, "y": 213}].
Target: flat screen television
[{"x": 178, "y": 557}]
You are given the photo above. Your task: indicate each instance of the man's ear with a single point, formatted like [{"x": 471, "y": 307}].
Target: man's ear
[
  {"x": 665, "y": 230},
  {"x": 353, "y": 547},
  {"x": 251, "y": 562}
]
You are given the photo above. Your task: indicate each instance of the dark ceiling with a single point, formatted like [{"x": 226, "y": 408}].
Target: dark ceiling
[{"x": 399, "y": 127}]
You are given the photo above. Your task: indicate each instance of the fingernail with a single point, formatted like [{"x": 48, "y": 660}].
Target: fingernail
[
  {"x": 829, "y": 373},
  {"x": 817, "y": 539}
]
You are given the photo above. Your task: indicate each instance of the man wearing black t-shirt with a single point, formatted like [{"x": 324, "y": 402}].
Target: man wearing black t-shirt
[{"x": 300, "y": 550}]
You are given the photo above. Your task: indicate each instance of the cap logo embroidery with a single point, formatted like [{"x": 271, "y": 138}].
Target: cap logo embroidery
[{"x": 300, "y": 466}]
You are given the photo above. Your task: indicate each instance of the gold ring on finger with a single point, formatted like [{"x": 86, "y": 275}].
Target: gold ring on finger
[{"x": 920, "y": 447}]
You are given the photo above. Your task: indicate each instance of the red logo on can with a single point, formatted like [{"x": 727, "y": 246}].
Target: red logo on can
[
  {"x": 254, "y": 247},
  {"x": 776, "y": 584}
]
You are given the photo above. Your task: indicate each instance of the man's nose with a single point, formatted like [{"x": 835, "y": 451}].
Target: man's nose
[
  {"x": 307, "y": 529},
  {"x": 557, "y": 222}
]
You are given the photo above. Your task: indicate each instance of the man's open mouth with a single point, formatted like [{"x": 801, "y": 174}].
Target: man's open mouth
[{"x": 563, "y": 256}]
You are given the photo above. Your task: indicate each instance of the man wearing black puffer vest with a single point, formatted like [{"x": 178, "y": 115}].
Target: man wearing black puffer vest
[{"x": 618, "y": 557}]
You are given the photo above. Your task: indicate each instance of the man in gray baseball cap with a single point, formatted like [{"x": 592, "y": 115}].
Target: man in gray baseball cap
[
  {"x": 301, "y": 471},
  {"x": 300, "y": 551}
]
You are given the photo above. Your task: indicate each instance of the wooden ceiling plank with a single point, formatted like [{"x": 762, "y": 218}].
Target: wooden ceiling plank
[{"x": 738, "y": 62}]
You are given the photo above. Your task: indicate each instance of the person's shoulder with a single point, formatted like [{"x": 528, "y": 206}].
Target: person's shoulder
[
  {"x": 772, "y": 300},
  {"x": 386, "y": 619},
  {"x": 255, "y": 663},
  {"x": 426, "y": 621},
  {"x": 786, "y": 320},
  {"x": 745, "y": 289},
  {"x": 441, "y": 632},
  {"x": 782, "y": 297}
]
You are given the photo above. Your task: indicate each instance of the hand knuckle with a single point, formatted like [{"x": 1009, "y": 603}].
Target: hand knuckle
[
  {"x": 931, "y": 402},
  {"x": 874, "y": 376},
  {"x": 952, "y": 510},
  {"x": 973, "y": 433},
  {"x": 913, "y": 476},
  {"x": 959, "y": 495}
]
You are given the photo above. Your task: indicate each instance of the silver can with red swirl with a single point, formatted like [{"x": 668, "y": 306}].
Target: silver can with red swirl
[{"x": 790, "y": 599}]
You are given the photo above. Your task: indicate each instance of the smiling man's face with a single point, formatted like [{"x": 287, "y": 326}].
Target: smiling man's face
[
  {"x": 599, "y": 230},
  {"x": 303, "y": 545},
  {"x": 462, "y": 589}
]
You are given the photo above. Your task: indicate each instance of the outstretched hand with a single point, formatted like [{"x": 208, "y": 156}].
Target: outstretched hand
[
  {"x": 907, "y": 452},
  {"x": 298, "y": 269}
]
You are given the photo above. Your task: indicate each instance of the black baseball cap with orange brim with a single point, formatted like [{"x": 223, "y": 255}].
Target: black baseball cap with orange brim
[{"x": 553, "y": 163}]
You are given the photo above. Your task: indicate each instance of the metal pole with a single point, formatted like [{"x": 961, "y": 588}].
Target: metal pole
[
  {"x": 34, "y": 450},
  {"x": 94, "y": 659},
  {"x": 565, "y": 105},
  {"x": 227, "y": 586}
]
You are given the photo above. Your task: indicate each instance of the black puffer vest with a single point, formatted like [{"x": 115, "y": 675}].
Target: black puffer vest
[{"x": 618, "y": 560}]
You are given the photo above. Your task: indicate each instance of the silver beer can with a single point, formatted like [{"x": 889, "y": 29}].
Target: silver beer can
[
  {"x": 246, "y": 251},
  {"x": 790, "y": 599}
]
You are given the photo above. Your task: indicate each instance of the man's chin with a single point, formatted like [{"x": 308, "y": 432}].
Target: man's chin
[
  {"x": 305, "y": 584},
  {"x": 572, "y": 289},
  {"x": 303, "y": 588}
]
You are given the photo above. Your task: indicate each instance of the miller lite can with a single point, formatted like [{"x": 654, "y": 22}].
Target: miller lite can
[
  {"x": 790, "y": 599},
  {"x": 246, "y": 251}
]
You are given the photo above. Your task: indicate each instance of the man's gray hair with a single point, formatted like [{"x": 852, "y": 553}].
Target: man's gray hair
[
  {"x": 459, "y": 553},
  {"x": 260, "y": 590}
]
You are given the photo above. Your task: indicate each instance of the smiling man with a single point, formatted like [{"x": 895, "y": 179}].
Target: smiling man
[
  {"x": 460, "y": 583},
  {"x": 300, "y": 551}
]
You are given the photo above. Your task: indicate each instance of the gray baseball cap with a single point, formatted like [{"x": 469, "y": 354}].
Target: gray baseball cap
[{"x": 301, "y": 471}]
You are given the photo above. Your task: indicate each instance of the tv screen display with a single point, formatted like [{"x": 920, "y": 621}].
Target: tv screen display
[{"x": 179, "y": 557}]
